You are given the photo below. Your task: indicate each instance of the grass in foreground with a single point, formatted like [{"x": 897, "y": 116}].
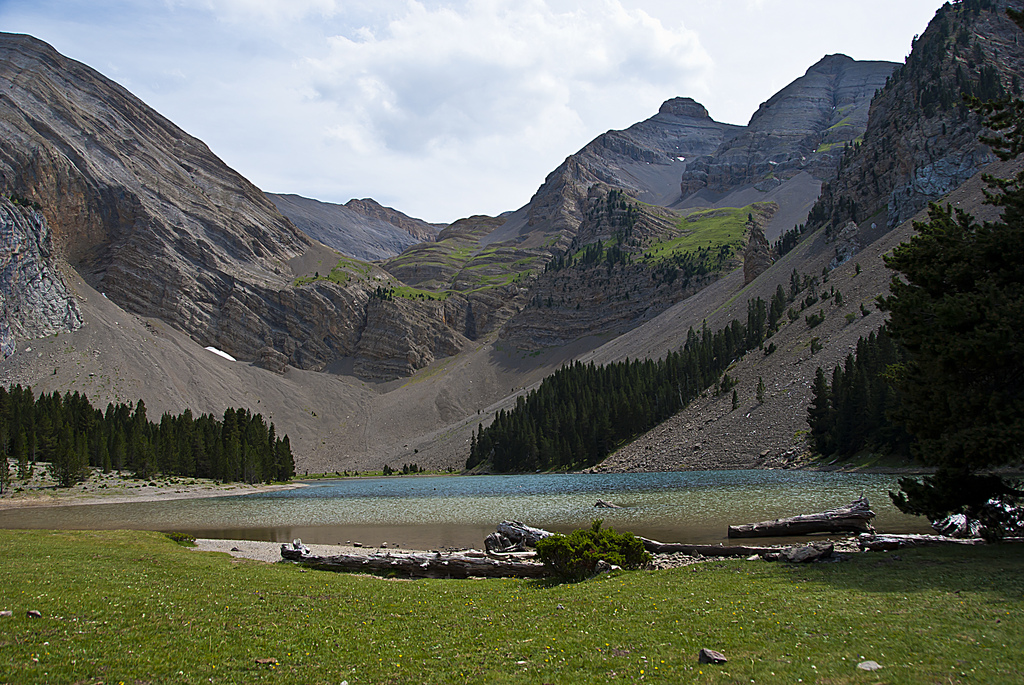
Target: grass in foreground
[{"x": 137, "y": 608}]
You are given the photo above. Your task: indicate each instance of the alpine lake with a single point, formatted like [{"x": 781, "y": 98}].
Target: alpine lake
[{"x": 441, "y": 512}]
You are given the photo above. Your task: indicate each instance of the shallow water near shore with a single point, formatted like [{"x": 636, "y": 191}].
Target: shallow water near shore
[{"x": 433, "y": 512}]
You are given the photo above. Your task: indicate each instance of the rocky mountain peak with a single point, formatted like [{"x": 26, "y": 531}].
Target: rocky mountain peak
[{"x": 684, "y": 107}]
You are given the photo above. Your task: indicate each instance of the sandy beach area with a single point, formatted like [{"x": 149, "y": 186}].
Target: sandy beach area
[{"x": 271, "y": 551}]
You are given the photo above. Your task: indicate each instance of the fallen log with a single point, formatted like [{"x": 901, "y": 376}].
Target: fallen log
[
  {"x": 655, "y": 547},
  {"x": 601, "y": 504},
  {"x": 853, "y": 518},
  {"x": 471, "y": 564},
  {"x": 883, "y": 542}
]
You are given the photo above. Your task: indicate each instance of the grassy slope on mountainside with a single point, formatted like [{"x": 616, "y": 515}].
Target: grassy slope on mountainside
[{"x": 135, "y": 607}]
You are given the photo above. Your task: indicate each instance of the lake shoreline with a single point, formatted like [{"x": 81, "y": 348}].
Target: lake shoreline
[{"x": 112, "y": 488}]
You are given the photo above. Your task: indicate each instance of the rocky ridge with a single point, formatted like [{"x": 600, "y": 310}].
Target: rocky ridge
[
  {"x": 921, "y": 141},
  {"x": 803, "y": 127},
  {"x": 34, "y": 300},
  {"x": 644, "y": 159},
  {"x": 362, "y": 229}
]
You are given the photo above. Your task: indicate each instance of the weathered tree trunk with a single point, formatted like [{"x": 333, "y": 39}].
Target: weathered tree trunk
[
  {"x": 853, "y": 518},
  {"x": 884, "y": 542},
  {"x": 655, "y": 547},
  {"x": 420, "y": 564},
  {"x": 520, "y": 532}
]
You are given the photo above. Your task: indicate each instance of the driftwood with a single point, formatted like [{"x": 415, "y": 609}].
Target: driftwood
[
  {"x": 470, "y": 564},
  {"x": 522, "y": 533},
  {"x": 885, "y": 542},
  {"x": 853, "y": 518},
  {"x": 519, "y": 534},
  {"x": 601, "y": 504},
  {"x": 655, "y": 547}
]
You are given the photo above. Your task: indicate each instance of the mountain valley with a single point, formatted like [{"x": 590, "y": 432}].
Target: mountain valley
[{"x": 374, "y": 338}]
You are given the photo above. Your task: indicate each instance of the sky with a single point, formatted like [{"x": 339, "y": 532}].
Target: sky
[{"x": 445, "y": 109}]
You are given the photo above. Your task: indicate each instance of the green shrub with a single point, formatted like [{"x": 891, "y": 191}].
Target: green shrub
[
  {"x": 183, "y": 539},
  {"x": 574, "y": 557}
]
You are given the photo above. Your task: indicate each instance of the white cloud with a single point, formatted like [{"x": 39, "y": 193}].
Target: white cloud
[
  {"x": 443, "y": 108},
  {"x": 468, "y": 81}
]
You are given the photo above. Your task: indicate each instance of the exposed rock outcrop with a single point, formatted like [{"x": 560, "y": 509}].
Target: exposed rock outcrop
[
  {"x": 34, "y": 300},
  {"x": 645, "y": 159},
  {"x": 758, "y": 255},
  {"x": 360, "y": 228},
  {"x": 803, "y": 127},
  {"x": 921, "y": 141}
]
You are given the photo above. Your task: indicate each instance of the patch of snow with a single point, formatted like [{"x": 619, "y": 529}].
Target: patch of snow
[
  {"x": 681, "y": 159},
  {"x": 222, "y": 354}
]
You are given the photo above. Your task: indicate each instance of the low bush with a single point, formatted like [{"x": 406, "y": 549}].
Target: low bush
[
  {"x": 183, "y": 539},
  {"x": 574, "y": 557}
]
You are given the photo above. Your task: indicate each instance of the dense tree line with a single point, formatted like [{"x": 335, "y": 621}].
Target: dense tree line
[
  {"x": 583, "y": 412},
  {"x": 70, "y": 435},
  {"x": 851, "y": 408}
]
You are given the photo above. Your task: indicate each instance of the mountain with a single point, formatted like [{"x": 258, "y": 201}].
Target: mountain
[
  {"x": 803, "y": 127},
  {"x": 158, "y": 249},
  {"x": 360, "y": 228},
  {"x": 921, "y": 141},
  {"x": 645, "y": 159}
]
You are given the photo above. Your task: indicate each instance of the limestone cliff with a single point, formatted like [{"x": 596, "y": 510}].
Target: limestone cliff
[
  {"x": 803, "y": 127},
  {"x": 34, "y": 300},
  {"x": 921, "y": 141},
  {"x": 628, "y": 263}
]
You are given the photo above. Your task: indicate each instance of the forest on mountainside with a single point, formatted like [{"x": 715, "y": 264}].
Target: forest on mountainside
[
  {"x": 583, "y": 412},
  {"x": 69, "y": 435}
]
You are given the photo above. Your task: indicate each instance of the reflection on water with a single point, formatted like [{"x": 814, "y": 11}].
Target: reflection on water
[{"x": 458, "y": 511}]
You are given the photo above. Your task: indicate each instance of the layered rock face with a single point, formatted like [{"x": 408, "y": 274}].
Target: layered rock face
[
  {"x": 623, "y": 287},
  {"x": 145, "y": 212},
  {"x": 921, "y": 141},
  {"x": 362, "y": 229},
  {"x": 803, "y": 127},
  {"x": 34, "y": 300},
  {"x": 646, "y": 159}
]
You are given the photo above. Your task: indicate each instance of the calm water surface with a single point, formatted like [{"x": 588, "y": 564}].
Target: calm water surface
[{"x": 459, "y": 511}]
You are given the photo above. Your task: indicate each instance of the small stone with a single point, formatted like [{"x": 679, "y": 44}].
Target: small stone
[
  {"x": 802, "y": 554},
  {"x": 235, "y": 549},
  {"x": 357, "y": 544},
  {"x": 710, "y": 656},
  {"x": 32, "y": 613},
  {"x": 384, "y": 545},
  {"x": 869, "y": 666}
]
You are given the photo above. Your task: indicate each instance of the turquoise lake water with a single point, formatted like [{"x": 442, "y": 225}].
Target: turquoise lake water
[{"x": 459, "y": 511}]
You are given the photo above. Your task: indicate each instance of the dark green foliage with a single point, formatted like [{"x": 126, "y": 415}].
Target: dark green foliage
[
  {"x": 582, "y": 412},
  {"x": 815, "y": 319},
  {"x": 957, "y": 309},
  {"x": 183, "y": 539},
  {"x": 71, "y": 435},
  {"x": 574, "y": 557},
  {"x": 852, "y": 413},
  {"x": 788, "y": 240}
]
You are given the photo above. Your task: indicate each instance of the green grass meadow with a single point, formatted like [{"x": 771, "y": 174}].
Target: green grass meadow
[{"x": 134, "y": 608}]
